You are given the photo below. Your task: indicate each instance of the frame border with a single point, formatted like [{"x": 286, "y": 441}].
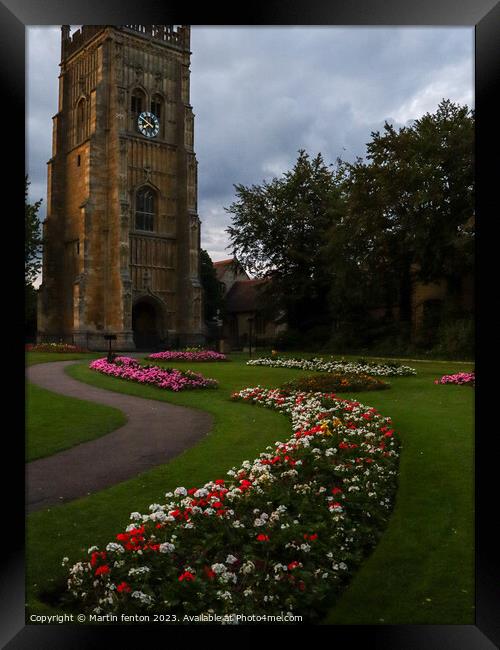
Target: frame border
[{"x": 485, "y": 16}]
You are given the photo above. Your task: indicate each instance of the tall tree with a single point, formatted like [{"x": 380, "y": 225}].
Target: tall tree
[
  {"x": 32, "y": 260},
  {"x": 211, "y": 287},
  {"x": 409, "y": 207},
  {"x": 33, "y": 239},
  {"x": 278, "y": 230}
]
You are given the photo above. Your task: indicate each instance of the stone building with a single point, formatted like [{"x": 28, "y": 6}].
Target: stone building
[
  {"x": 122, "y": 234},
  {"x": 246, "y": 314}
]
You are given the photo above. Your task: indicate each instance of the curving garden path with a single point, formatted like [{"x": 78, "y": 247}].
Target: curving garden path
[{"x": 154, "y": 433}]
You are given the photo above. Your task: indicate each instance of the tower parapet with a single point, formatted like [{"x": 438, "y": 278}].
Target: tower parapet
[{"x": 178, "y": 36}]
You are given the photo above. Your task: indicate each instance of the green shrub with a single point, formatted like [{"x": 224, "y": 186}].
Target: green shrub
[
  {"x": 333, "y": 382},
  {"x": 455, "y": 339}
]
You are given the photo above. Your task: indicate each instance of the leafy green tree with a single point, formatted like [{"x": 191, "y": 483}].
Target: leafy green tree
[
  {"x": 409, "y": 211},
  {"x": 33, "y": 239},
  {"x": 32, "y": 260},
  {"x": 211, "y": 287},
  {"x": 278, "y": 231}
]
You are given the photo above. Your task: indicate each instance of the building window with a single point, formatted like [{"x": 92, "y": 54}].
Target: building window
[
  {"x": 137, "y": 104},
  {"x": 145, "y": 209},
  {"x": 78, "y": 160},
  {"x": 81, "y": 120}
]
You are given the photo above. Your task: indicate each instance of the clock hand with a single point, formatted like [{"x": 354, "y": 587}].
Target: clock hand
[{"x": 148, "y": 124}]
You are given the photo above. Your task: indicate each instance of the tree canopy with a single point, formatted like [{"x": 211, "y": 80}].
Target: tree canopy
[
  {"x": 341, "y": 241},
  {"x": 278, "y": 230},
  {"x": 410, "y": 205},
  {"x": 33, "y": 238},
  {"x": 211, "y": 287}
]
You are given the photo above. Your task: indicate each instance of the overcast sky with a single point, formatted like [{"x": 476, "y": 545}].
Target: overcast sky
[{"x": 260, "y": 94}]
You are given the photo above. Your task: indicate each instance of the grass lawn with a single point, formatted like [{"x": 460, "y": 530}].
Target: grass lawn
[
  {"x": 421, "y": 572},
  {"x": 44, "y": 357},
  {"x": 55, "y": 422}
]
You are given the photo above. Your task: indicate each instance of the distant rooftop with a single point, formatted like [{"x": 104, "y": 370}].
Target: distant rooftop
[
  {"x": 224, "y": 262},
  {"x": 244, "y": 296}
]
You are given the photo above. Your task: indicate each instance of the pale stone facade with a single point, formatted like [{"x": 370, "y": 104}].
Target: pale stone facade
[{"x": 103, "y": 271}]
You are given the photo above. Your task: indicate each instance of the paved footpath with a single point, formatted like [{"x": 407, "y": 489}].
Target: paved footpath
[{"x": 154, "y": 433}]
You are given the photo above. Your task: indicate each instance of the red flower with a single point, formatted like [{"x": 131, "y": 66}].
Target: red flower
[
  {"x": 219, "y": 481},
  {"x": 336, "y": 490},
  {"x": 209, "y": 573},
  {"x": 123, "y": 586},
  {"x": 102, "y": 570},
  {"x": 293, "y": 565},
  {"x": 262, "y": 537},
  {"x": 95, "y": 557},
  {"x": 187, "y": 575}
]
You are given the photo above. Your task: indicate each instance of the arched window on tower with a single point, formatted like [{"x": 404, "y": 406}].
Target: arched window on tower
[
  {"x": 81, "y": 120},
  {"x": 157, "y": 109},
  {"x": 145, "y": 209},
  {"x": 137, "y": 105}
]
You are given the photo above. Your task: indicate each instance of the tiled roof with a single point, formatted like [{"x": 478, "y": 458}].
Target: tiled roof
[
  {"x": 224, "y": 262},
  {"x": 244, "y": 296}
]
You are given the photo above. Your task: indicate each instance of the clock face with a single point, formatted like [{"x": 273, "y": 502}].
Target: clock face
[{"x": 148, "y": 124}]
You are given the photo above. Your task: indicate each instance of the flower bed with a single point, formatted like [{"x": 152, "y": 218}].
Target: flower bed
[
  {"x": 332, "y": 382},
  {"x": 167, "y": 378},
  {"x": 459, "y": 378},
  {"x": 186, "y": 355},
  {"x": 284, "y": 533},
  {"x": 53, "y": 347},
  {"x": 342, "y": 366}
]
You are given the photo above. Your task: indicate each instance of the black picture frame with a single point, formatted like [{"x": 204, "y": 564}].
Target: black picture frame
[{"x": 485, "y": 16}]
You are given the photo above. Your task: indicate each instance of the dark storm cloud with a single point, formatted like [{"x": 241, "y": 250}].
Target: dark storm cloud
[{"x": 260, "y": 94}]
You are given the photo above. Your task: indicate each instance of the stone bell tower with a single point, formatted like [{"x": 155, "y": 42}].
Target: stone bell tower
[{"x": 122, "y": 234}]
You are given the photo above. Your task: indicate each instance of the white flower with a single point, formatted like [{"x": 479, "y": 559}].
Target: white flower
[
  {"x": 218, "y": 568},
  {"x": 135, "y": 516},
  {"x": 144, "y": 598},
  {"x": 224, "y": 595},
  {"x": 247, "y": 567},
  {"x": 231, "y": 559},
  {"x": 166, "y": 547},
  {"x": 113, "y": 547},
  {"x": 180, "y": 492},
  {"x": 140, "y": 570}
]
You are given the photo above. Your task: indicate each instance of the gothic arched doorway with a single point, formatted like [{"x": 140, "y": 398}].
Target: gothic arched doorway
[{"x": 146, "y": 324}]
